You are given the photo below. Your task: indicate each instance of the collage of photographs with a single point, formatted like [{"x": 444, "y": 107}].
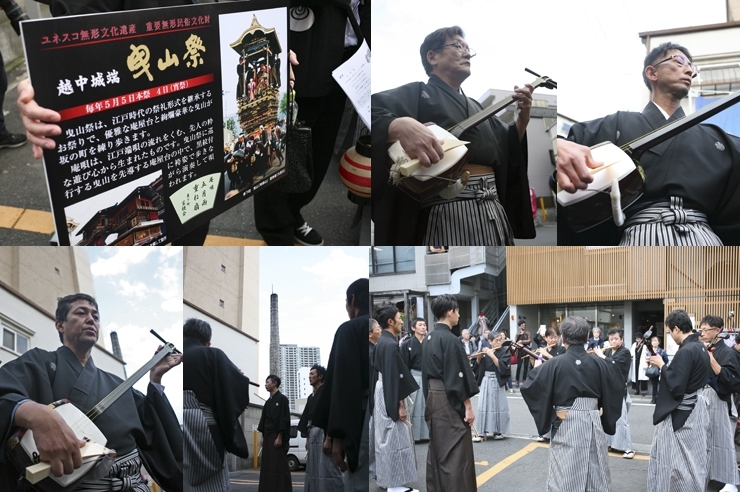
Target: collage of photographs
[{"x": 534, "y": 210}]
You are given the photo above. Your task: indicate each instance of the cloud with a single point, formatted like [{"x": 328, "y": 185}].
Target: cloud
[
  {"x": 172, "y": 305},
  {"x": 169, "y": 252},
  {"x": 339, "y": 269},
  {"x": 138, "y": 290},
  {"x": 120, "y": 261}
]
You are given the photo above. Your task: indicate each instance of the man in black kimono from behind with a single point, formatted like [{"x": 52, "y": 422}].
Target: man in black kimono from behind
[
  {"x": 215, "y": 395},
  {"x": 565, "y": 396},
  {"x": 678, "y": 455},
  {"x": 400, "y": 114},
  {"x": 275, "y": 440},
  {"x": 342, "y": 408},
  {"x": 140, "y": 428},
  {"x": 448, "y": 384},
  {"x": 692, "y": 181}
]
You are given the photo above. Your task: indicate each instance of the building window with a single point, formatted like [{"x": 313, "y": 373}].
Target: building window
[
  {"x": 223, "y": 268},
  {"x": 56, "y": 270},
  {"x": 392, "y": 259},
  {"x": 220, "y": 303},
  {"x": 14, "y": 341}
]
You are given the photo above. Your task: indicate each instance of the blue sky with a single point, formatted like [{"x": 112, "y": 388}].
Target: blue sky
[
  {"x": 311, "y": 284},
  {"x": 139, "y": 289}
]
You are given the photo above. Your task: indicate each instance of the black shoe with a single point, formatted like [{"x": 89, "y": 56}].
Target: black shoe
[
  {"x": 11, "y": 141},
  {"x": 307, "y": 236}
]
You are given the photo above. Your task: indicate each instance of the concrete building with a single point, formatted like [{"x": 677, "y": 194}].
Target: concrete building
[
  {"x": 410, "y": 276},
  {"x": 541, "y": 136},
  {"x": 221, "y": 286},
  {"x": 629, "y": 288},
  {"x": 31, "y": 281},
  {"x": 304, "y": 387},
  {"x": 293, "y": 360}
]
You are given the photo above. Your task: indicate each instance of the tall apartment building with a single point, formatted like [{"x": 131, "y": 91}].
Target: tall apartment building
[{"x": 292, "y": 359}]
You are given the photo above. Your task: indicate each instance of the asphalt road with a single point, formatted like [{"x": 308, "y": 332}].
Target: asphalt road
[
  {"x": 519, "y": 463},
  {"x": 248, "y": 481}
]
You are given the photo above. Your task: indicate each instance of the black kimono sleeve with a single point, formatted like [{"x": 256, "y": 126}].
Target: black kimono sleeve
[
  {"x": 537, "y": 392},
  {"x": 460, "y": 384},
  {"x": 161, "y": 451},
  {"x": 398, "y": 383},
  {"x": 728, "y": 379},
  {"x": 231, "y": 394},
  {"x": 622, "y": 360},
  {"x": 394, "y": 213}
]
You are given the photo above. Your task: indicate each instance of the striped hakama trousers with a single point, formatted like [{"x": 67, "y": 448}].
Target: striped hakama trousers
[
  {"x": 493, "y": 408},
  {"x": 395, "y": 460},
  {"x": 322, "y": 474},
  {"x": 721, "y": 444},
  {"x": 622, "y": 438},
  {"x": 474, "y": 218},
  {"x": 205, "y": 468},
  {"x": 124, "y": 476},
  {"x": 678, "y": 460},
  {"x": 416, "y": 410},
  {"x": 578, "y": 455},
  {"x": 668, "y": 224},
  {"x": 450, "y": 459},
  {"x": 371, "y": 454}
]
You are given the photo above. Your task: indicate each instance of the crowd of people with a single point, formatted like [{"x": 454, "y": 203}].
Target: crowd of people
[
  {"x": 249, "y": 158},
  {"x": 575, "y": 384}
]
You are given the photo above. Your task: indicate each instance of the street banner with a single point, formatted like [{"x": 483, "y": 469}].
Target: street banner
[{"x": 170, "y": 116}]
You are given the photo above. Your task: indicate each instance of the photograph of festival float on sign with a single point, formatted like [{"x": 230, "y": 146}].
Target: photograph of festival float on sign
[{"x": 255, "y": 98}]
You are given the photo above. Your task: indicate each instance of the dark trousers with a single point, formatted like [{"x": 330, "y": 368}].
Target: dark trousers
[
  {"x": 655, "y": 382},
  {"x": 522, "y": 365},
  {"x": 277, "y": 214},
  {"x": 3, "y": 87}
]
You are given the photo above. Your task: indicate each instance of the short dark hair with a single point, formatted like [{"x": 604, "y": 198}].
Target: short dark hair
[
  {"x": 320, "y": 370},
  {"x": 434, "y": 41},
  {"x": 383, "y": 313},
  {"x": 64, "y": 304},
  {"x": 197, "y": 329},
  {"x": 660, "y": 52},
  {"x": 275, "y": 378},
  {"x": 737, "y": 338},
  {"x": 360, "y": 289},
  {"x": 713, "y": 321},
  {"x": 575, "y": 330},
  {"x": 615, "y": 331},
  {"x": 521, "y": 322},
  {"x": 679, "y": 318},
  {"x": 550, "y": 331},
  {"x": 442, "y": 304},
  {"x": 416, "y": 320}
]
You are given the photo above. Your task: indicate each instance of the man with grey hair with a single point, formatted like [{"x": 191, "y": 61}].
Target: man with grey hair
[
  {"x": 692, "y": 181},
  {"x": 215, "y": 393},
  {"x": 565, "y": 397},
  {"x": 494, "y": 206}
]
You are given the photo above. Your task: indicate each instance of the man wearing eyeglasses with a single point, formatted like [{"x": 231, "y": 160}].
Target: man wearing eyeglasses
[
  {"x": 493, "y": 208},
  {"x": 723, "y": 382},
  {"x": 691, "y": 180}
]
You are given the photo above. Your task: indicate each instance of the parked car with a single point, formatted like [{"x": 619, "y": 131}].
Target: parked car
[{"x": 297, "y": 451}]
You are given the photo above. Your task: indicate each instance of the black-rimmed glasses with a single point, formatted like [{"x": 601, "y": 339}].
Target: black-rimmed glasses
[
  {"x": 459, "y": 47},
  {"x": 683, "y": 61}
]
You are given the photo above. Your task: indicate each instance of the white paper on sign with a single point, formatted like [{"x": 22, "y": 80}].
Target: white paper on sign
[
  {"x": 353, "y": 76},
  {"x": 196, "y": 197}
]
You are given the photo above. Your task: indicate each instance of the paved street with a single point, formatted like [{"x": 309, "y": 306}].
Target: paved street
[
  {"x": 248, "y": 481},
  {"x": 519, "y": 462}
]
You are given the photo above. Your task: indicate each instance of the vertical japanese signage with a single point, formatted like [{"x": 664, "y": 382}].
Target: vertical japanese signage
[{"x": 169, "y": 116}]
